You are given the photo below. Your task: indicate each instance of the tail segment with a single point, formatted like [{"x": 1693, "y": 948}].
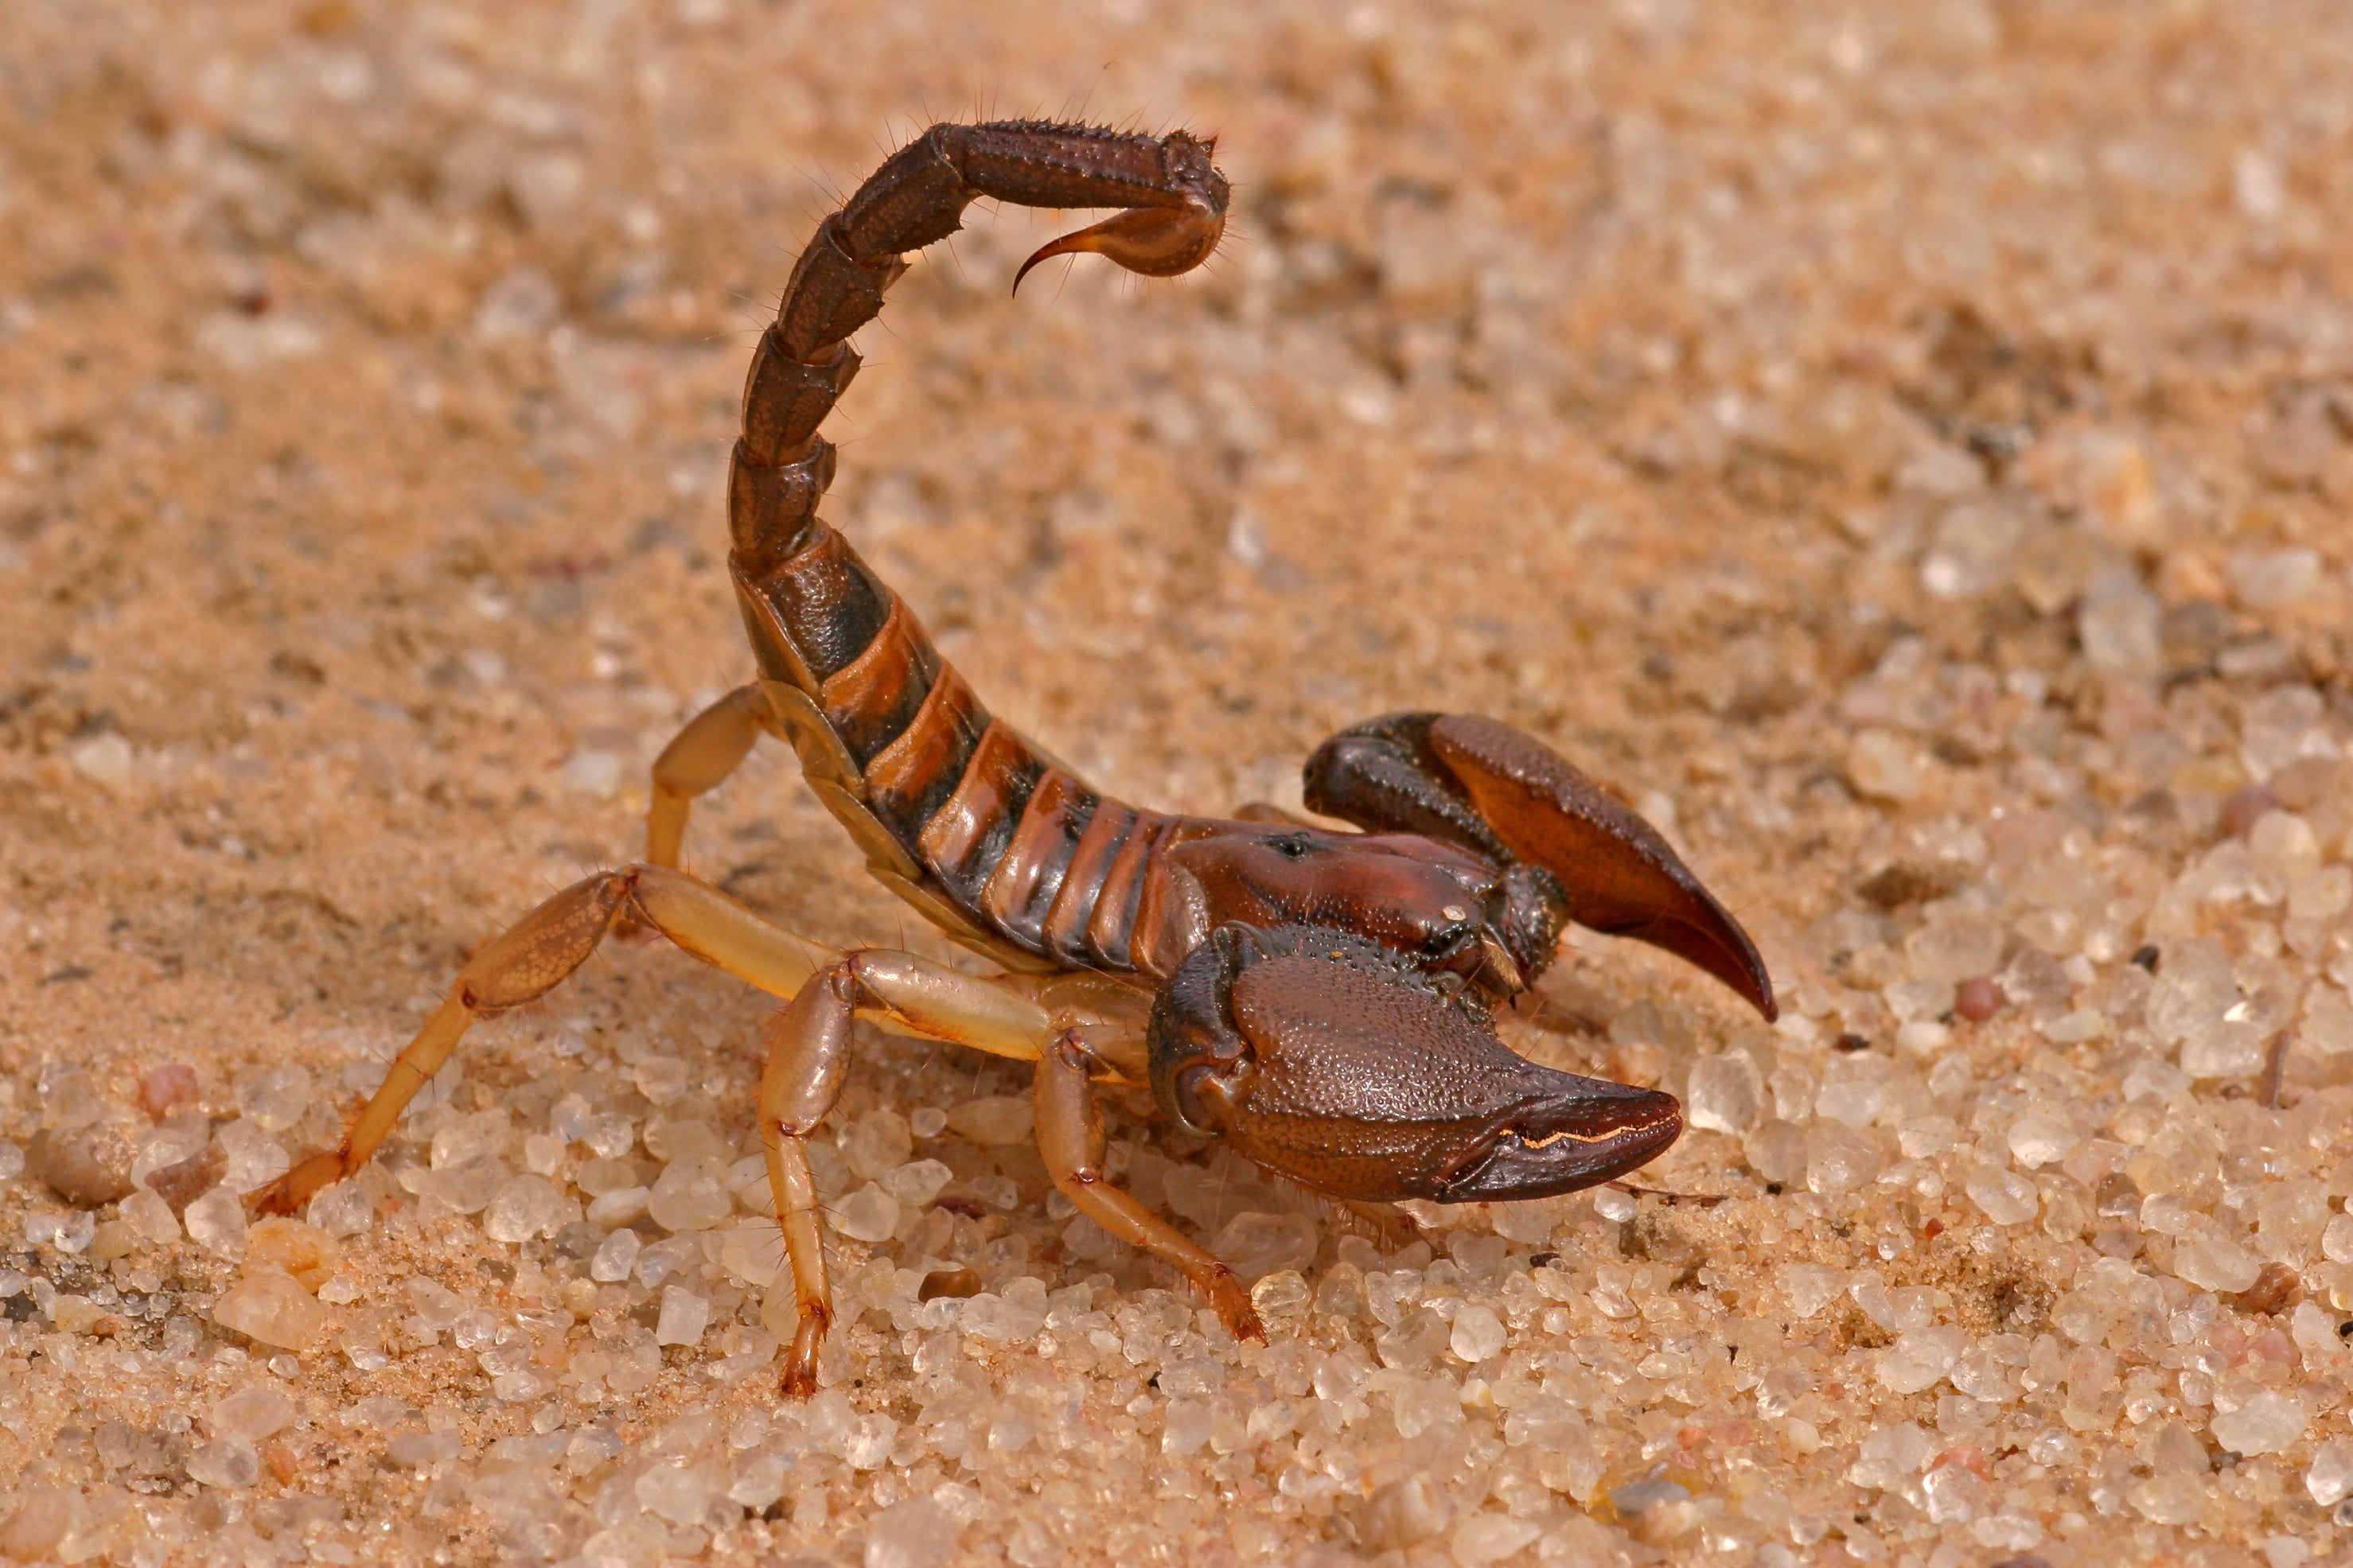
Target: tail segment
[{"x": 956, "y": 812}]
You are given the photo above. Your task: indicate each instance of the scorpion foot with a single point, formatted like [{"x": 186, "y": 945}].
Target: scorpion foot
[
  {"x": 1232, "y": 1305},
  {"x": 799, "y": 1379},
  {"x": 292, "y": 1193}
]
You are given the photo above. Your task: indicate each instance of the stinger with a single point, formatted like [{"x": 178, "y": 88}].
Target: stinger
[{"x": 1157, "y": 242}]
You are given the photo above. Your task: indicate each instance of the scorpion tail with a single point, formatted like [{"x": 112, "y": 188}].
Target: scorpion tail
[{"x": 966, "y": 819}]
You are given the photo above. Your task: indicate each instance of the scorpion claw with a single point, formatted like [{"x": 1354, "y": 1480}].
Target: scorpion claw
[
  {"x": 1622, "y": 877},
  {"x": 1157, "y": 242},
  {"x": 1483, "y": 785}
]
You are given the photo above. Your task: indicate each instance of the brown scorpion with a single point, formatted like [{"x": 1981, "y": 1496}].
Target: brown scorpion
[{"x": 1319, "y": 998}]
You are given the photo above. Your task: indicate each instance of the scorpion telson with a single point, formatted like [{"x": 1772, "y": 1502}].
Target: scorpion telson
[{"x": 1318, "y": 998}]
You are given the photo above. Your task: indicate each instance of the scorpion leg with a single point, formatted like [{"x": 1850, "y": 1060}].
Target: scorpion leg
[
  {"x": 808, "y": 1053},
  {"x": 531, "y": 959},
  {"x": 698, "y": 760},
  {"x": 1070, "y": 1142},
  {"x": 1494, "y": 790}
]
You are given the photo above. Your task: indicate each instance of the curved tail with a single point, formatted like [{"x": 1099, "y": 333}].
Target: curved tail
[{"x": 956, "y": 812}]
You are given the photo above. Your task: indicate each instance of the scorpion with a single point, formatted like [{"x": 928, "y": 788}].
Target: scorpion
[{"x": 1320, "y": 998}]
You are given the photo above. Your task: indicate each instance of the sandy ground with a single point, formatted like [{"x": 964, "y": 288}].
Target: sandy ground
[{"x": 1906, "y": 448}]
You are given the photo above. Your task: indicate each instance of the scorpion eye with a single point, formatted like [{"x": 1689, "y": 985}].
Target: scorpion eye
[{"x": 1291, "y": 846}]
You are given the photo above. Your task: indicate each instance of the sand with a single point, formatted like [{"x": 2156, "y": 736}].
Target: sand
[{"x": 1905, "y": 448}]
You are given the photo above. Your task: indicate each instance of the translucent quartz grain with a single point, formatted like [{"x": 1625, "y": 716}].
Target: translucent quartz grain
[
  {"x": 2194, "y": 989},
  {"x": 692, "y": 1195},
  {"x": 152, "y": 1217},
  {"x": 1477, "y": 1333},
  {"x": 1920, "y": 1358},
  {"x": 1855, "y": 1102},
  {"x": 2212, "y": 1263},
  {"x": 687, "y": 1140},
  {"x": 1890, "y": 1455},
  {"x": 2268, "y": 1422},
  {"x": 216, "y": 1222},
  {"x": 342, "y": 1209},
  {"x": 275, "y": 1098},
  {"x": 913, "y": 1533},
  {"x": 752, "y": 1251},
  {"x": 1485, "y": 1538},
  {"x": 1956, "y": 943},
  {"x": 2005, "y": 1196},
  {"x": 598, "y": 1176},
  {"x": 249, "y": 1415},
  {"x": 615, "y": 1256},
  {"x": 1839, "y": 1158},
  {"x": 225, "y": 1464},
  {"x": 254, "y": 1157},
  {"x": 870, "y": 1213},
  {"x": 875, "y": 1143},
  {"x": 272, "y": 1308},
  {"x": 526, "y": 1208},
  {"x": 1260, "y": 1244},
  {"x": 684, "y": 1316},
  {"x": 2329, "y": 1478},
  {"x": 664, "y": 1257},
  {"x": 619, "y": 1207},
  {"x": 2039, "y": 1139},
  {"x": 997, "y": 1118},
  {"x": 170, "y": 1144},
  {"x": 915, "y": 1183},
  {"x": 1812, "y": 1287},
  {"x": 1725, "y": 1093},
  {"x": 2118, "y": 624},
  {"x": 470, "y": 1138},
  {"x": 661, "y": 1079},
  {"x": 994, "y": 1318}
]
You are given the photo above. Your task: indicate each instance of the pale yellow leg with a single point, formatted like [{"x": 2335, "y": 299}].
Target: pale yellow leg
[
  {"x": 1070, "y": 1142},
  {"x": 808, "y": 1053},
  {"x": 712, "y": 745},
  {"x": 531, "y": 959}
]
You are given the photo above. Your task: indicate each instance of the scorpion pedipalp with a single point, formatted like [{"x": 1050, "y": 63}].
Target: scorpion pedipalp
[
  {"x": 1336, "y": 1063},
  {"x": 1475, "y": 782}
]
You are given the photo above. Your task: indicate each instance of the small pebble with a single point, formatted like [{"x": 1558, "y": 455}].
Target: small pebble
[
  {"x": 957, "y": 1283},
  {"x": 166, "y": 1089},
  {"x": 86, "y": 1167},
  {"x": 180, "y": 1185},
  {"x": 1978, "y": 999},
  {"x": 293, "y": 1247}
]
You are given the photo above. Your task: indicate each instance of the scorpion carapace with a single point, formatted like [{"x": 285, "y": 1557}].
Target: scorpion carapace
[{"x": 1318, "y": 997}]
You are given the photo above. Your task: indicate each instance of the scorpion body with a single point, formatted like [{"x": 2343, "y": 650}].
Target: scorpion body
[{"x": 1318, "y": 998}]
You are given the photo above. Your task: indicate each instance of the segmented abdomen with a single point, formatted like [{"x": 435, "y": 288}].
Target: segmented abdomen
[{"x": 1018, "y": 844}]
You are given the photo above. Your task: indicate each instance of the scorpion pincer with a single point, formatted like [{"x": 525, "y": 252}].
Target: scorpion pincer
[{"x": 1320, "y": 999}]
